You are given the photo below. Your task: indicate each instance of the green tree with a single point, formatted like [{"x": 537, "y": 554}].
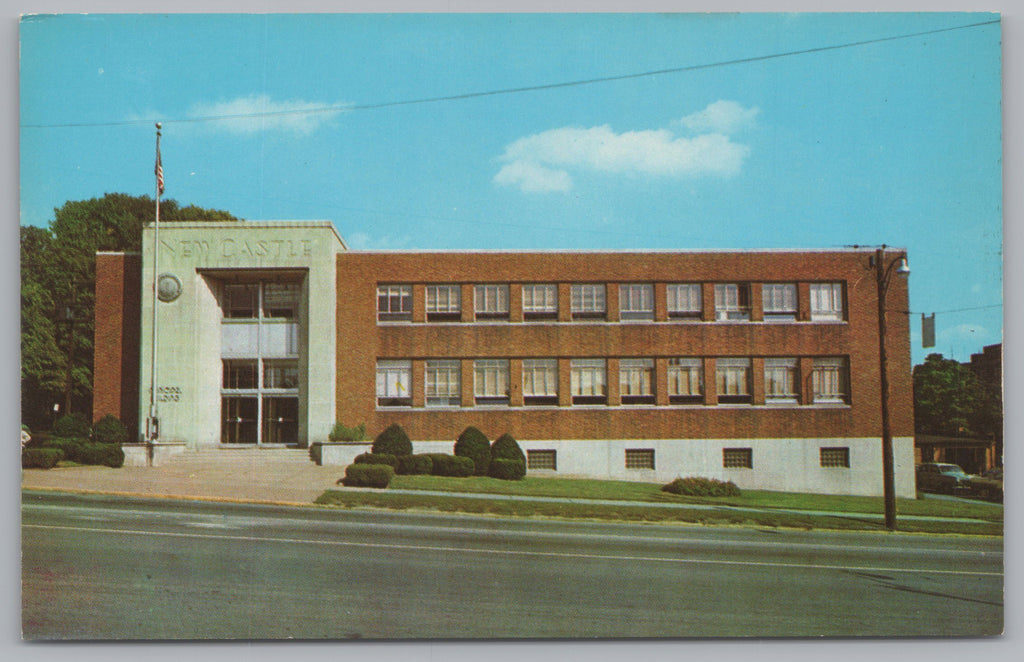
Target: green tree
[
  {"x": 58, "y": 271},
  {"x": 948, "y": 399}
]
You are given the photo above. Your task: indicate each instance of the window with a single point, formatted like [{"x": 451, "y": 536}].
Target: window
[
  {"x": 686, "y": 381},
  {"x": 636, "y": 301},
  {"x": 239, "y": 419},
  {"x": 541, "y": 460},
  {"x": 540, "y": 381},
  {"x": 834, "y": 458},
  {"x": 639, "y": 458},
  {"x": 685, "y": 301},
  {"x": 830, "y": 380},
  {"x": 780, "y": 381},
  {"x": 394, "y": 303},
  {"x": 826, "y": 302},
  {"x": 239, "y": 374},
  {"x": 733, "y": 379},
  {"x": 239, "y": 300},
  {"x": 280, "y": 374},
  {"x": 393, "y": 383},
  {"x": 443, "y": 384},
  {"x": 588, "y": 302},
  {"x": 732, "y": 302},
  {"x": 738, "y": 458},
  {"x": 636, "y": 381},
  {"x": 444, "y": 303},
  {"x": 540, "y": 301},
  {"x": 490, "y": 378},
  {"x": 491, "y": 302},
  {"x": 779, "y": 301},
  {"x": 588, "y": 382},
  {"x": 281, "y": 300}
]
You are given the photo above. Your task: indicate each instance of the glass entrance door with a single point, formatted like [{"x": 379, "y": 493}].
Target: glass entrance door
[{"x": 240, "y": 415}]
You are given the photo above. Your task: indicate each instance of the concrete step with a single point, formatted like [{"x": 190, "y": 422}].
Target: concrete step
[{"x": 246, "y": 456}]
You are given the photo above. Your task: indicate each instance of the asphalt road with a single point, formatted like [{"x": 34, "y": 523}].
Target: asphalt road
[{"x": 113, "y": 568}]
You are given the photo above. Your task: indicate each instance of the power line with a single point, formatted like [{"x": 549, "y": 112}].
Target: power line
[
  {"x": 514, "y": 90},
  {"x": 959, "y": 310}
]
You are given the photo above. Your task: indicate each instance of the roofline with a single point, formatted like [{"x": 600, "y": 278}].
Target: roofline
[{"x": 620, "y": 251}]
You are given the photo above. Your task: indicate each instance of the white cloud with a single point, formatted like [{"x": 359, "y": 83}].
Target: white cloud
[
  {"x": 261, "y": 113},
  {"x": 364, "y": 242},
  {"x": 720, "y": 117},
  {"x": 542, "y": 162}
]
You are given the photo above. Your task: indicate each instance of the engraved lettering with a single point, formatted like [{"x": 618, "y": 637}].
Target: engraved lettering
[{"x": 227, "y": 248}]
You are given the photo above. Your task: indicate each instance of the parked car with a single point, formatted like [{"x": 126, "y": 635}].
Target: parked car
[
  {"x": 989, "y": 485},
  {"x": 943, "y": 478}
]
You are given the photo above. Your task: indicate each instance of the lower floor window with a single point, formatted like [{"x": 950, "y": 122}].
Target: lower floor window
[
  {"x": 837, "y": 457},
  {"x": 639, "y": 458},
  {"x": 393, "y": 383},
  {"x": 542, "y": 460},
  {"x": 733, "y": 379},
  {"x": 444, "y": 384},
  {"x": 588, "y": 381},
  {"x": 738, "y": 458}
]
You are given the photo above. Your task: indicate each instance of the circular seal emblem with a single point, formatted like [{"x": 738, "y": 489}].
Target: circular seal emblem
[{"x": 168, "y": 287}]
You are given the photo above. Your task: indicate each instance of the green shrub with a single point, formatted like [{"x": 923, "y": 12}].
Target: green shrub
[
  {"x": 702, "y": 487},
  {"x": 414, "y": 465},
  {"x": 72, "y": 425},
  {"x": 109, "y": 430},
  {"x": 376, "y": 458},
  {"x": 505, "y": 447},
  {"x": 472, "y": 443},
  {"x": 507, "y": 469},
  {"x": 109, "y": 455},
  {"x": 393, "y": 441},
  {"x": 40, "y": 458},
  {"x": 367, "y": 475},
  {"x": 450, "y": 465},
  {"x": 341, "y": 432},
  {"x": 70, "y": 447}
]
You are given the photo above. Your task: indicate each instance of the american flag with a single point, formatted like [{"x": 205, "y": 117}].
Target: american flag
[{"x": 159, "y": 173}]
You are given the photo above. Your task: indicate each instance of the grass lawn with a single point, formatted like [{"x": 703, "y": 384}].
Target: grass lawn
[{"x": 585, "y": 492}]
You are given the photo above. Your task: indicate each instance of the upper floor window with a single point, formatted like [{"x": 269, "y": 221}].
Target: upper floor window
[
  {"x": 685, "y": 301},
  {"x": 239, "y": 374},
  {"x": 636, "y": 381},
  {"x": 588, "y": 301},
  {"x": 491, "y": 302},
  {"x": 490, "y": 381},
  {"x": 733, "y": 379},
  {"x": 280, "y": 374},
  {"x": 239, "y": 300},
  {"x": 444, "y": 303},
  {"x": 636, "y": 301},
  {"x": 686, "y": 381},
  {"x": 732, "y": 302},
  {"x": 780, "y": 381},
  {"x": 394, "y": 379},
  {"x": 540, "y": 301},
  {"x": 588, "y": 381},
  {"x": 826, "y": 302},
  {"x": 830, "y": 380},
  {"x": 443, "y": 383},
  {"x": 394, "y": 303},
  {"x": 779, "y": 301},
  {"x": 540, "y": 381},
  {"x": 281, "y": 300}
]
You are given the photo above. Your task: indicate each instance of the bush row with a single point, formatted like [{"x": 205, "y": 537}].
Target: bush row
[
  {"x": 81, "y": 451},
  {"x": 107, "y": 430},
  {"x": 40, "y": 458},
  {"x": 367, "y": 475},
  {"x": 704, "y": 487}
]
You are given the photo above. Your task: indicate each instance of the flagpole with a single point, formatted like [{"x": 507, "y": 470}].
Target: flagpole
[{"x": 152, "y": 427}]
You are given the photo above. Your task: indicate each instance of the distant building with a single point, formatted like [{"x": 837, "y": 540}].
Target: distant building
[{"x": 760, "y": 367}]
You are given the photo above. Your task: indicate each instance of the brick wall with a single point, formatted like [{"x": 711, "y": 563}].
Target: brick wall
[
  {"x": 361, "y": 341},
  {"x": 116, "y": 343}
]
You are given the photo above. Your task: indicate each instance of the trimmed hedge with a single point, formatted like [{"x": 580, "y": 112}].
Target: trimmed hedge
[
  {"x": 84, "y": 451},
  {"x": 342, "y": 432},
  {"x": 451, "y": 465},
  {"x": 376, "y": 458},
  {"x": 72, "y": 425},
  {"x": 506, "y": 447},
  {"x": 393, "y": 441},
  {"x": 367, "y": 475},
  {"x": 71, "y": 447},
  {"x": 508, "y": 469},
  {"x": 414, "y": 465},
  {"x": 703, "y": 487},
  {"x": 109, "y": 430},
  {"x": 472, "y": 443},
  {"x": 40, "y": 458}
]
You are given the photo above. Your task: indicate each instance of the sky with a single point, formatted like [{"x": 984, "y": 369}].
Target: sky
[{"x": 569, "y": 131}]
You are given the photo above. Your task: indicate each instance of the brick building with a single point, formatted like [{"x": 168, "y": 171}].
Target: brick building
[{"x": 760, "y": 367}]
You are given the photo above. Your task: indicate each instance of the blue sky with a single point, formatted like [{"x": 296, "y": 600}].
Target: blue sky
[{"x": 894, "y": 141}]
